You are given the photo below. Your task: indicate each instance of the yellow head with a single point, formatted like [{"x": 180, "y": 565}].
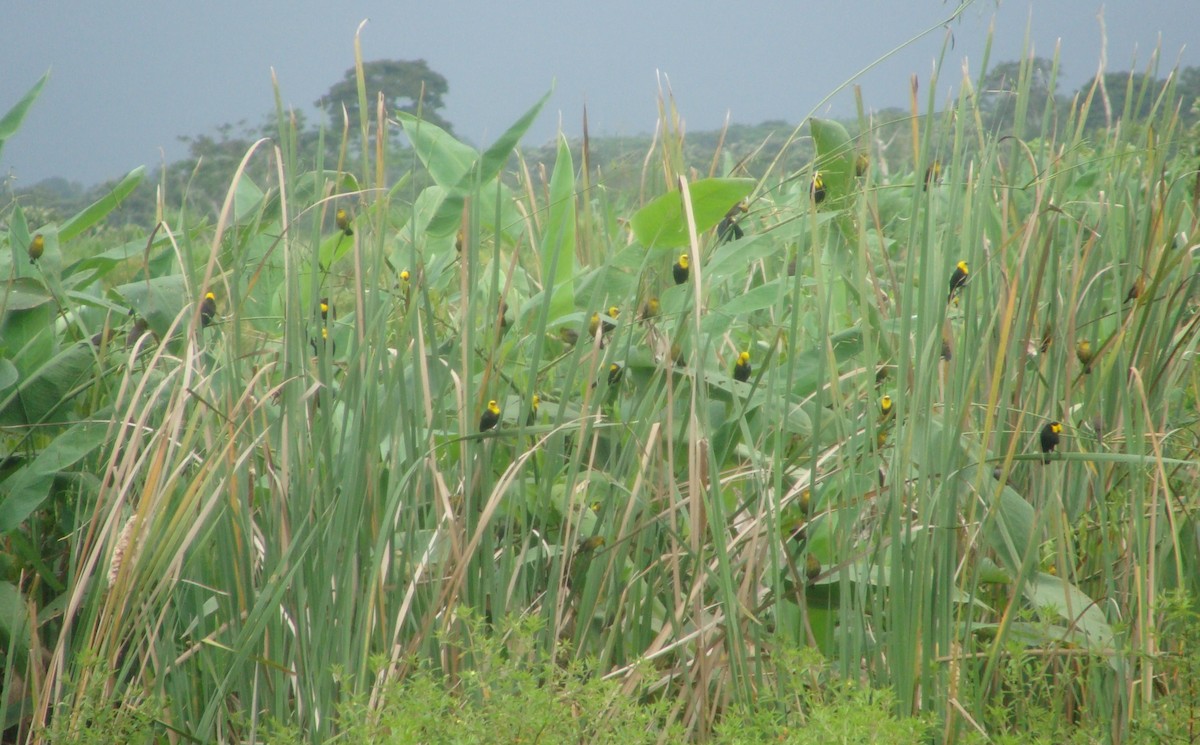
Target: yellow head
[
  {"x": 962, "y": 267},
  {"x": 744, "y": 359},
  {"x": 1056, "y": 428},
  {"x": 613, "y": 311},
  {"x": 885, "y": 404},
  {"x": 405, "y": 276},
  {"x": 494, "y": 407},
  {"x": 683, "y": 261},
  {"x": 536, "y": 401},
  {"x": 210, "y": 296}
]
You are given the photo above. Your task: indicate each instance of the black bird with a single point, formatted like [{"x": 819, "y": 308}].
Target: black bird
[
  {"x": 1049, "y": 439},
  {"x": 208, "y": 309},
  {"x": 958, "y": 279},
  {"x": 742, "y": 368},
  {"x": 680, "y": 269},
  {"x": 490, "y": 416},
  {"x": 818, "y": 188}
]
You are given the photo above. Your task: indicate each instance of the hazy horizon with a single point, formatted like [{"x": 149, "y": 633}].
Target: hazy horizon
[{"x": 128, "y": 81}]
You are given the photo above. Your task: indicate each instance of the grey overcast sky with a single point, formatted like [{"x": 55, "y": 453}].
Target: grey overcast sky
[{"x": 128, "y": 78}]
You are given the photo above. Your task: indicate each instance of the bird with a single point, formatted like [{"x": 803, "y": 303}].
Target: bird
[
  {"x": 342, "y": 218},
  {"x": 1135, "y": 290},
  {"x": 680, "y": 269},
  {"x": 885, "y": 407},
  {"x": 490, "y": 416},
  {"x": 593, "y": 324},
  {"x": 817, "y": 190},
  {"x": 614, "y": 374},
  {"x": 208, "y": 308},
  {"x": 812, "y": 567},
  {"x": 533, "y": 407},
  {"x": 325, "y": 341},
  {"x": 933, "y": 174},
  {"x": 1049, "y": 439},
  {"x": 651, "y": 308},
  {"x": 36, "y": 247},
  {"x": 742, "y": 368},
  {"x": 861, "y": 163},
  {"x": 405, "y": 276},
  {"x": 1083, "y": 350},
  {"x": 324, "y": 305},
  {"x": 958, "y": 278},
  {"x": 728, "y": 229},
  {"x": 581, "y": 560}
]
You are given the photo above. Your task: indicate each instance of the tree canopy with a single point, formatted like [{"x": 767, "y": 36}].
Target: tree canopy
[{"x": 407, "y": 85}]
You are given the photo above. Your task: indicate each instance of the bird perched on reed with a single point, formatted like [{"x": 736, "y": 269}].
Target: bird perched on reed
[
  {"x": 490, "y": 416},
  {"x": 958, "y": 278},
  {"x": 680, "y": 269},
  {"x": 1049, "y": 437},
  {"x": 36, "y": 247},
  {"x": 742, "y": 368},
  {"x": 208, "y": 309},
  {"x": 342, "y": 218}
]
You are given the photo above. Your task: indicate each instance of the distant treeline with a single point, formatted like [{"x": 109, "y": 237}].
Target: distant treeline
[{"x": 195, "y": 186}]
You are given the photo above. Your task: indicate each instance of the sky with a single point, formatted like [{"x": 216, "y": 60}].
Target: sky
[{"x": 127, "y": 79}]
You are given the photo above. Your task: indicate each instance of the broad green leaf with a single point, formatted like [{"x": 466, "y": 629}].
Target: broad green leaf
[
  {"x": 42, "y": 396},
  {"x": 810, "y": 371},
  {"x": 1010, "y": 532},
  {"x": 11, "y": 121},
  {"x": 14, "y": 618},
  {"x": 23, "y": 294},
  {"x": 8, "y": 374},
  {"x": 497, "y": 155},
  {"x": 448, "y": 160},
  {"x": 98, "y": 210},
  {"x": 157, "y": 300},
  {"x": 835, "y": 158},
  {"x": 763, "y": 296},
  {"x": 662, "y": 223},
  {"x": 1072, "y": 605},
  {"x": 29, "y": 486}
]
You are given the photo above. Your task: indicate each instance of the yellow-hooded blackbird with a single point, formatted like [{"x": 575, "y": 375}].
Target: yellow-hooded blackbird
[
  {"x": 680, "y": 269},
  {"x": 742, "y": 368},
  {"x": 490, "y": 416},
  {"x": 208, "y": 308},
  {"x": 1049, "y": 439},
  {"x": 958, "y": 278}
]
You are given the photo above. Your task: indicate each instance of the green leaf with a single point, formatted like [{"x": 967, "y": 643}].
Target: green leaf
[
  {"x": 1010, "y": 533},
  {"x": 158, "y": 300},
  {"x": 24, "y": 293},
  {"x": 763, "y": 296},
  {"x": 99, "y": 209},
  {"x": 14, "y": 618},
  {"x": 558, "y": 238},
  {"x": 497, "y": 155},
  {"x": 43, "y": 395},
  {"x": 448, "y": 160},
  {"x": 810, "y": 372},
  {"x": 662, "y": 222},
  {"x": 835, "y": 158},
  {"x": 29, "y": 486},
  {"x": 12, "y": 120},
  {"x": 1072, "y": 605}
]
